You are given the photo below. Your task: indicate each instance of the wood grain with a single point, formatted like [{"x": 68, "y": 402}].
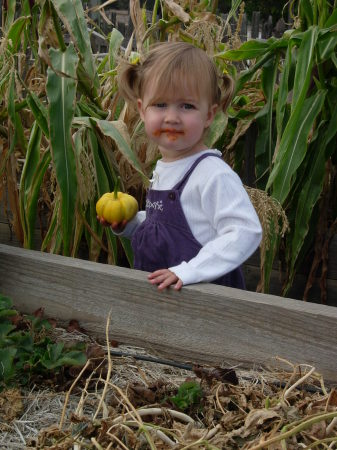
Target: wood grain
[{"x": 201, "y": 323}]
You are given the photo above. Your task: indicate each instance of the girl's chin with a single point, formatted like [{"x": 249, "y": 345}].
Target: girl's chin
[{"x": 170, "y": 154}]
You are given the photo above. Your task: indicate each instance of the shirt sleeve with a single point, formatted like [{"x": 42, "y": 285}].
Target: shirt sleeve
[
  {"x": 132, "y": 225},
  {"x": 238, "y": 230}
]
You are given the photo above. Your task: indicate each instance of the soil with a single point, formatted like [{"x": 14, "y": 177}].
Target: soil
[{"x": 127, "y": 402}]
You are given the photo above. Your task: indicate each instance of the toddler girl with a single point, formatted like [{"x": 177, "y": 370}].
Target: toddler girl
[{"x": 199, "y": 224}]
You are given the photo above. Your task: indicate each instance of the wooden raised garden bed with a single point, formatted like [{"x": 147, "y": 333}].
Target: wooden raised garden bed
[{"x": 202, "y": 323}]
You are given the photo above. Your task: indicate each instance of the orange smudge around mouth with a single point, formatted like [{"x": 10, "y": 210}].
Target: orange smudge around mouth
[{"x": 171, "y": 134}]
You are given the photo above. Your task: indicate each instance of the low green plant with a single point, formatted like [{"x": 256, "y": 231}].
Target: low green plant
[
  {"x": 26, "y": 349},
  {"x": 189, "y": 395}
]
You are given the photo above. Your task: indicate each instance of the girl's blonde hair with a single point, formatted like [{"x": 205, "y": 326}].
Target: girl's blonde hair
[{"x": 175, "y": 67}]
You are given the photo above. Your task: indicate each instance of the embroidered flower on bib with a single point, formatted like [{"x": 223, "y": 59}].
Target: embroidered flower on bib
[{"x": 158, "y": 205}]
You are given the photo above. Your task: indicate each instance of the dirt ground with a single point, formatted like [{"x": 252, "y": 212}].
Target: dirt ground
[{"x": 131, "y": 403}]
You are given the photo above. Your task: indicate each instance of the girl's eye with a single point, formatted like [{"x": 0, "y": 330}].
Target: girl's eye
[
  {"x": 188, "y": 106},
  {"x": 160, "y": 105}
]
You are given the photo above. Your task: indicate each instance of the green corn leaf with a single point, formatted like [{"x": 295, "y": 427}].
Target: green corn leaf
[
  {"x": 101, "y": 68},
  {"x": 95, "y": 233},
  {"x": 216, "y": 129},
  {"x": 293, "y": 146},
  {"x": 27, "y": 176},
  {"x": 32, "y": 158},
  {"x": 88, "y": 108},
  {"x": 53, "y": 228},
  {"x": 264, "y": 143},
  {"x": 72, "y": 15},
  {"x": 115, "y": 42},
  {"x": 4, "y": 78},
  {"x": 306, "y": 12},
  {"x": 21, "y": 140},
  {"x": 10, "y": 14},
  {"x": 32, "y": 197},
  {"x": 109, "y": 129},
  {"x": 311, "y": 190},
  {"x": 312, "y": 185},
  {"x": 327, "y": 45},
  {"x": 232, "y": 12},
  {"x": 16, "y": 131},
  {"x": 332, "y": 20},
  {"x": 78, "y": 233},
  {"x": 248, "y": 50},
  {"x": 15, "y": 33},
  {"x": 305, "y": 60},
  {"x": 246, "y": 75},
  {"x": 90, "y": 122},
  {"x": 39, "y": 111},
  {"x": 85, "y": 212},
  {"x": 104, "y": 184},
  {"x": 283, "y": 92},
  {"x": 61, "y": 91},
  {"x": 11, "y": 99},
  {"x": 262, "y": 160},
  {"x": 126, "y": 244},
  {"x": 269, "y": 73}
]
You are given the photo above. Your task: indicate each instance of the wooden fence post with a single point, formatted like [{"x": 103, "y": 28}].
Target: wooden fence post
[
  {"x": 267, "y": 28},
  {"x": 243, "y": 28},
  {"x": 255, "y": 24}
]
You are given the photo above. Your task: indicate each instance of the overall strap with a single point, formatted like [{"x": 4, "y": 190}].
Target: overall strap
[{"x": 181, "y": 184}]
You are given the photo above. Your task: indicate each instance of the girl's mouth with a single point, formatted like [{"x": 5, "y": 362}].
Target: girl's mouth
[{"x": 171, "y": 133}]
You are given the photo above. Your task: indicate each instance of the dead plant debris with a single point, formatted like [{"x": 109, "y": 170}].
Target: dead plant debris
[{"x": 124, "y": 403}]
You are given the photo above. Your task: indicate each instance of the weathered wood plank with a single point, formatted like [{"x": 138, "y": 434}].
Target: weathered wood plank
[{"x": 201, "y": 323}]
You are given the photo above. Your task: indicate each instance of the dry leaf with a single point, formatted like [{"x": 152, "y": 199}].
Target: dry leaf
[
  {"x": 258, "y": 417},
  {"x": 218, "y": 373},
  {"x": 177, "y": 11},
  {"x": 11, "y": 404},
  {"x": 39, "y": 313}
]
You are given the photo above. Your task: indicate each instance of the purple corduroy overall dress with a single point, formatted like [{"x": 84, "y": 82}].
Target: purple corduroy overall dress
[{"x": 165, "y": 239}]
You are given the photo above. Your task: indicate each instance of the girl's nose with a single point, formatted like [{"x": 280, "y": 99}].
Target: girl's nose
[{"x": 172, "y": 115}]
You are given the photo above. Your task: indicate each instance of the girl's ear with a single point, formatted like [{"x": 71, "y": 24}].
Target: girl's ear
[
  {"x": 210, "y": 115},
  {"x": 140, "y": 108}
]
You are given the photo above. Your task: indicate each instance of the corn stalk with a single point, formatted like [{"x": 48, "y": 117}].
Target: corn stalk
[
  {"x": 52, "y": 120},
  {"x": 297, "y": 126}
]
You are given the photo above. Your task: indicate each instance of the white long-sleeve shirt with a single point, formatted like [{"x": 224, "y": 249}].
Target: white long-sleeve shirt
[{"x": 218, "y": 211}]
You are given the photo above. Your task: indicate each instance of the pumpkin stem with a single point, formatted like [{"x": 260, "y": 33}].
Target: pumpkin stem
[{"x": 118, "y": 179}]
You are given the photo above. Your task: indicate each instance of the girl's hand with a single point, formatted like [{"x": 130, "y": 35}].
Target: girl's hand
[
  {"x": 165, "y": 278},
  {"x": 118, "y": 227}
]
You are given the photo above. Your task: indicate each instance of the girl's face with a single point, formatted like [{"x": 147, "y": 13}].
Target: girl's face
[{"x": 176, "y": 122}]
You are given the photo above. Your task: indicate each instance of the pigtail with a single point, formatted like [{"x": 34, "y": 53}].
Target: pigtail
[
  {"x": 227, "y": 91},
  {"x": 128, "y": 79}
]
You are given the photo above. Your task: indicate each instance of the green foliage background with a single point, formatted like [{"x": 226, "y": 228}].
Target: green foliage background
[{"x": 66, "y": 135}]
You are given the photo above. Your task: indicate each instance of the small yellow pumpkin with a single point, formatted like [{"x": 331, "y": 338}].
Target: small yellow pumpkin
[{"x": 116, "y": 207}]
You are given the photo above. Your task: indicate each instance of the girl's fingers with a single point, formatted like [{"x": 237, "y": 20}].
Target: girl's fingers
[
  {"x": 118, "y": 226},
  {"x": 165, "y": 278},
  {"x": 158, "y": 279},
  {"x": 156, "y": 273}
]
